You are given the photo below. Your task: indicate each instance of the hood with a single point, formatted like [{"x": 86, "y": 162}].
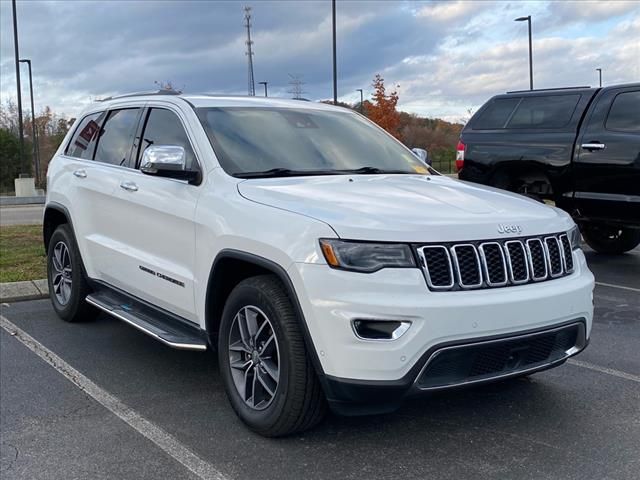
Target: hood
[{"x": 406, "y": 208}]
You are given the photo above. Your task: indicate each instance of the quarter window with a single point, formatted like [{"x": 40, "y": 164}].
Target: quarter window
[
  {"x": 163, "y": 127},
  {"x": 496, "y": 114},
  {"x": 553, "y": 111},
  {"x": 624, "y": 115},
  {"x": 83, "y": 142},
  {"x": 116, "y": 137}
]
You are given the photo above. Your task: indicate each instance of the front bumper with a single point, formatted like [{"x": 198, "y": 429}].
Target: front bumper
[{"x": 386, "y": 370}]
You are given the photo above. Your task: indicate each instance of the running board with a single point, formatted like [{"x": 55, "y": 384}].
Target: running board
[{"x": 163, "y": 326}]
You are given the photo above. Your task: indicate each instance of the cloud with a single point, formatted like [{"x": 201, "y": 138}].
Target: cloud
[{"x": 446, "y": 56}]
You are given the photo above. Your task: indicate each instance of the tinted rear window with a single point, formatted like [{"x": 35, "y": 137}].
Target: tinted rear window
[
  {"x": 544, "y": 112},
  {"x": 496, "y": 114},
  {"x": 624, "y": 115},
  {"x": 83, "y": 142}
]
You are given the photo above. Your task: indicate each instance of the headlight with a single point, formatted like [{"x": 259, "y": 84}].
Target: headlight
[
  {"x": 366, "y": 257},
  {"x": 575, "y": 239}
]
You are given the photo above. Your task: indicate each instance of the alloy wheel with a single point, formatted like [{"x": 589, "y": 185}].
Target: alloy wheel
[{"x": 61, "y": 263}]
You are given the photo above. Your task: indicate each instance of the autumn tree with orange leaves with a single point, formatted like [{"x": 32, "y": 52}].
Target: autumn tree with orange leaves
[{"x": 383, "y": 108}]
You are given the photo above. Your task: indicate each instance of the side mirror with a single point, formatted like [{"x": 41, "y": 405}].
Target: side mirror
[
  {"x": 422, "y": 154},
  {"x": 166, "y": 161}
]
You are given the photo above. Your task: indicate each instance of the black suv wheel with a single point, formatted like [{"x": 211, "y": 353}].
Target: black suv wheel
[
  {"x": 68, "y": 285},
  {"x": 268, "y": 377},
  {"x": 608, "y": 239}
]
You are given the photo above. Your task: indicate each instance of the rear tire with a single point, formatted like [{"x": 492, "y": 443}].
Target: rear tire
[
  {"x": 68, "y": 286},
  {"x": 272, "y": 385},
  {"x": 611, "y": 240}
]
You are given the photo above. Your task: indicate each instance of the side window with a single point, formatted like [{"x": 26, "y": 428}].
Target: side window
[
  {"x": 554, "y": 111},
  {"x": 116, "y": 137},
  {"x": 624, "y": 115},
  {"x": 163, "y": 127},
  {"x": 496, "y": 114},
  {"x": 83, "y": 141}
]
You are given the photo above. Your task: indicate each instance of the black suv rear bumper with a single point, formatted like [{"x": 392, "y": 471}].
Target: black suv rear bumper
[{"x": 461, "y": 364}]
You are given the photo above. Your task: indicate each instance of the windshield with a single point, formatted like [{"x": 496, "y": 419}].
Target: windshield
[{"x": 261, "y": 142}]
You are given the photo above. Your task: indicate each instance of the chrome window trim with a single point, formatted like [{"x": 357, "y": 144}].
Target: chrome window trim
[
  {"x": 510, "y": 265},
  {"x": 530, "y": 259},
  {"x": 425, "y": 267},
  {"x": 548, "y": 255},
  {"x": 457, "y": 266},
  {"x": 485, "y": 266}
]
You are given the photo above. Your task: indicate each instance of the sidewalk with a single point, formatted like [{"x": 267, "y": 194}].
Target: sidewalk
[{"x": 18, "y": 291}]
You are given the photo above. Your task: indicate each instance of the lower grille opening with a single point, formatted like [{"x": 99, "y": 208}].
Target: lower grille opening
[
  {"x": 380, "y": 329},
  {"x": 485, "y": 360}
]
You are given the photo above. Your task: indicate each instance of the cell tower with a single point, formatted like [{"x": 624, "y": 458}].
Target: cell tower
[
  {"x": 249, "y": 52},
  {"x": 296, "y": 86}
]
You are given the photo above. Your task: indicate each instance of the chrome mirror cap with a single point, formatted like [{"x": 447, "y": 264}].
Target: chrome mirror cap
[
  {"x": 422, "y": 154},
  {"x": 163, "y": 158}
]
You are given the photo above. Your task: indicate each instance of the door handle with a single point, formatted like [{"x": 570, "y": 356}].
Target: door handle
[
  {"x": 80, "y": 173},
  {"x": 593, "y": 146},
  {"x": 129, "y": 186}
]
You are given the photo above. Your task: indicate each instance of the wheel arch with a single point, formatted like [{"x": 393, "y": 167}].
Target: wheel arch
[
  {"x": 54, "y": 216},
  {"x": 533, "y": 171},
  {"x": 232, "y": 266}
]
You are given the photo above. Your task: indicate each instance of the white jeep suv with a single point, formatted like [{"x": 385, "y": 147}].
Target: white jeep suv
[{"x": 323, "y": 260}]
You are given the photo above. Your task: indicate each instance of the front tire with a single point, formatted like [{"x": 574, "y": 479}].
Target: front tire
[
  {"x": 611, "y": 240},
  {"x": 267, "y": 374},
  {"x": 68, "y": 286}
]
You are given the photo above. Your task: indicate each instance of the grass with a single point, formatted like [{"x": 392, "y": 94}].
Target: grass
[{"x": 22, "y": 254}]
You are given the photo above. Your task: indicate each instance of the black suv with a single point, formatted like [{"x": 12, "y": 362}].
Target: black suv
[{"x": 578, "y": 147}]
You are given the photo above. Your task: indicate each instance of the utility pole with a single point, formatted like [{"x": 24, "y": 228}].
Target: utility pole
[
  {"x": 17, "y": 54},
  {"x": 249, "y": 52},
  {"x": 34, "y": 130},
  {"x": 335, "y": 68},
  {"x": 528, "y": 20},
  {"x": 296, "y": 86},
  {"x": 599, "y": 70},
  {"x": 265, "y": 87},
  {"x": 361, "y": 100}
]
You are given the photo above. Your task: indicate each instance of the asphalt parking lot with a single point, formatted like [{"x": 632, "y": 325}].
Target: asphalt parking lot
[{"x": 158, "y": 413}]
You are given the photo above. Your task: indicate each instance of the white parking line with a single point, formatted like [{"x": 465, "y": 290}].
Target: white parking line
[
  {"x": 165, "y": 441},
  {"x": 608, "y": 371},
  {"x": 618, "y": 286}
]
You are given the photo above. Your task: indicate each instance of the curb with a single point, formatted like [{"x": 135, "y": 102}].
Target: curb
[
  {"x": 21, "y": 291},
  {"x": 7, "y": 201}
]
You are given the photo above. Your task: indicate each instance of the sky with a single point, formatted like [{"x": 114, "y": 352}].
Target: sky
[{"x": 446, "y": 57}]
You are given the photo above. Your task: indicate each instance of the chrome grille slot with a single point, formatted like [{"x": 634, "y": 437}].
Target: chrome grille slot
[
  {"x": 517, "y": 261},
  {"x": 537, "y": 261},
  {"x": 437, "y": 266},
  {"x": 494, "y": 264},
  {"x": 453, "y": 266},
  {"x": 567, "y": 253},
  {"x": 554, "y": 257},
  {"x": 467, "y": 265}
]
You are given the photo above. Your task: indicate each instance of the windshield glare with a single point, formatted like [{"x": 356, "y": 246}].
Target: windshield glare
[{"x": 253, "y": 140}]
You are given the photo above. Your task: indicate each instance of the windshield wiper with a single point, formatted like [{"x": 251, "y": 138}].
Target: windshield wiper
[
  {"x": 284, "y": 172},
  {"x": 370, "y": 171}
]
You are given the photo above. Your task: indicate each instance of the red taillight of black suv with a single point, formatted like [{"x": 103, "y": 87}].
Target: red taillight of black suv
[{"x": 460, "y": 155}]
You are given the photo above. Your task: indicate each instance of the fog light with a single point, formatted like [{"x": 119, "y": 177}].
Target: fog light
[{"x": 380, "y": 329}]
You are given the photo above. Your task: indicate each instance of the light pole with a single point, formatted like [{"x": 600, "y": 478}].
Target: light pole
[
  {"x": 265, "y": 87},
  {"x": 528, "y": 19},
  {"x": 361, "y": 100},
  {"x": 599, "y": 70},
  {"x": 34, "y": 130},
  {"x": 335, "y": 72},
  {"x": 20, "y": 128}
]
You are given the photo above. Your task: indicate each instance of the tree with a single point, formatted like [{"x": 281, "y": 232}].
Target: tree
[{"x": 383, "y": 108}]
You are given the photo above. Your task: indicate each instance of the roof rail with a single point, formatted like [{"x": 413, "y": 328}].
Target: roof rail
[
  {"x": 139, "y": 94},
  {"x": 550, "y": 89}
]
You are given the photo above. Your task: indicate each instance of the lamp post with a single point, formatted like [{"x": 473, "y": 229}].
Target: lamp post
[
  {"x": 19, "y": 91},
  {"x": 265, "y": 87},
  {"x": 335, "y": 72},
  {"x": 34, "y": 130},
  {"x": 599, "y": 70},
  {"x": 528, "y": 19},
  {"x": 361, "y": 100}
]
